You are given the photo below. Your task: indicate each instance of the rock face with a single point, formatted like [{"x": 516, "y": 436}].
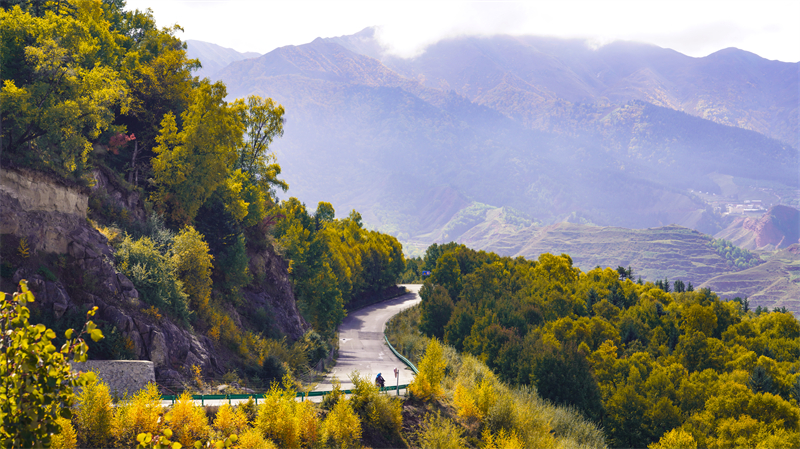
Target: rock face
[
  {"x": 276, "y": 294},
  {"x": 53, "y": 220},
  {"x": 776, "y": 229}
]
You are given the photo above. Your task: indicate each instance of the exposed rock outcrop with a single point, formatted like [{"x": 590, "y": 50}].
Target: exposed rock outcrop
[
  {"x": 776, "y": 229},
  {"x": 52, "y": 218}
]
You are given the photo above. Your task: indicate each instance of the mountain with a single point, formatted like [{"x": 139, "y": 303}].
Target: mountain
[
  {"x": 545, "y": 130},
  {"x": 528, "y": 76},
  {"x": 214, "y": 57},
  {"x": 778, "y": 228}
]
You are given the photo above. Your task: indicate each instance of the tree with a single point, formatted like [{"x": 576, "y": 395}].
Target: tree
[
  {"x": 35, "y": 378},
  {"x": 59, "y": 90},
  {"x": 263, "y": 121},
  {"x": 192, "y": 263},
  {"x": 436, "y": 310},
  {"x": 191, "y": 164}
]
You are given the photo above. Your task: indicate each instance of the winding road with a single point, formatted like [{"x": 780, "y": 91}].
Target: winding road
[{"x": 362, "y": 347}]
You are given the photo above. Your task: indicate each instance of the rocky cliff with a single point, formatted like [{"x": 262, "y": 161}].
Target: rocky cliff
[
  {"x": 50, "y": 218},
  {"x": 776, "y": 229}
]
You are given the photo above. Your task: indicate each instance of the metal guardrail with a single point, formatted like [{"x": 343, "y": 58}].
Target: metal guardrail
[
  {"x": 230, "y": 397},
  {"x": 399, "y": 356}
]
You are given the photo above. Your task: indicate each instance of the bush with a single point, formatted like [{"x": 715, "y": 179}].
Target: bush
[
  {"x": 428, "y": 383},
  {"x": 440, "y": 433},
  {"x": 93, "y": 415},
  {"x": 342, "y": 428},
  {"x": 252, "y": 439},
  {"x": 36, "y": 384},
  {"x": 192, "y": 263},
  {"x": 230, "y": 420},
  {"x": 141, "y": 413},
  {"x": 277, "y": 417},
  {"x": 66, "y": 437},
  {"x": 189, "y": 421},
  {"x": 381, "y": 411},
  {"x": 153, "y": 275}
]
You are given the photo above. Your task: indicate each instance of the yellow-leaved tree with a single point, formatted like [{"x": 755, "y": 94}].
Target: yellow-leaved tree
[
  {"x": 428, "y": 383},
  {"x": 192, "y": 261}
]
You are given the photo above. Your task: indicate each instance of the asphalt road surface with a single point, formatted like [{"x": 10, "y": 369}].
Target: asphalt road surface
[{"x": 362, "y": 347}]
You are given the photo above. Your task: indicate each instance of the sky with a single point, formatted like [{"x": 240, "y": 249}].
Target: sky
[{"x": 769, "y": 28}]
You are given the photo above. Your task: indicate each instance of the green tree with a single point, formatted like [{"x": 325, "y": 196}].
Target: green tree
[
  {"x": 436, "y": 310},
  {"x": 192, "y": 262},
  {"x": 191, "y": 164},
  {"x": 59, "y": 91},
  {"x": 35, "y": 379}
]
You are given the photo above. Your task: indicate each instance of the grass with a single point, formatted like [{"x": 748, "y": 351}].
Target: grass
[{"x": 496, "y": 406}]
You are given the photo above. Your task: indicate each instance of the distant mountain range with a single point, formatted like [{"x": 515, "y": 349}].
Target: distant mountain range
[
  {"x": 493, "y": 140},
  {"x": 214, "y": 57}
]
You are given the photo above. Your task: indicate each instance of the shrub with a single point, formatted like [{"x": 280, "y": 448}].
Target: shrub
[
  {"x": 188, "y": 420},
  {"x": 277, "y": 418},
  {"x": 153, "y": 275},
  {"x": 192, "y": 263},
  {"x": 440, "y": 433},
  {"x": 141, "y": 413},
  {"x": 66, "y": 437},
  {"x": 35, "y": 378},
  {"x": 252, "y": 439},
  {"x": 330, "y": 399},
  {"x": 428, "y": 383},
  {"x": 502, "y": 440},
  {"x": 93, "y": 415},
  {"x": 230, "y": 420},
  {"x": 381, "y": 411},
  {"x": 342, "y": 428}
]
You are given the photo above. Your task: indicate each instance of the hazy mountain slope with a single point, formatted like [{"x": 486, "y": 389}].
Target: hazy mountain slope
[
  {"x": 526, "y": 76},
  {"x": 214, "y": 57},
  {"x": 414, "y": 158}
]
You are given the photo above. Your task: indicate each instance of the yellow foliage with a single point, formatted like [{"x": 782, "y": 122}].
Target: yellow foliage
[
  {"x": 428, "y": 383},
  {"x": 278, "y": 416},
  {"x": 465, "y": 403},
  {"x": 94, "y": 414},
  {"x": 23, "y": 250},
  {"x": 141, "y": 413},
  {"x": 310, "y": 432},
  {"x": 66, "y": 438},
  {"x": 252, "y": 439},
  {"x": 230, "y": 420},
  {"x": 189, "y": 421},
  {"x": 440, "y": 433},
  {"x": 192, "y": 261},
  {"x": 675, "y": 439},
  {"x": 342, "y": 427},
  {"x": 503, "y": 440}
]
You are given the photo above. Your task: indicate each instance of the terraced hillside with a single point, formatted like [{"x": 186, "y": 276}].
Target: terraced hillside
[{"x": 775, "y": 283}]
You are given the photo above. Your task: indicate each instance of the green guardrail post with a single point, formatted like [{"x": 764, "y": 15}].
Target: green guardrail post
[
  {"x": 229, "y": 398},
  {"x": 202, "y": 401}
]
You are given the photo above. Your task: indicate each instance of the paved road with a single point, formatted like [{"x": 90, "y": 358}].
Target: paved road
[{"x": 362, "y": 347}]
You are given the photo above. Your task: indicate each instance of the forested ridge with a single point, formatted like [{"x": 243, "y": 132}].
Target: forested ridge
[
  {"x": 92, "y": 91},
  {"x": 647, "y": 362}
]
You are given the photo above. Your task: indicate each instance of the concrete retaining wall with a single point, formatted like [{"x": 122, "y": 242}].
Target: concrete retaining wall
[{"x": 120, "y": 375}]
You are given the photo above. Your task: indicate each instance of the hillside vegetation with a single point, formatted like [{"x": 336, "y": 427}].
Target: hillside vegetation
[
  {"x": 94, "y": 94},
  {"x": 649, "y": 363}
]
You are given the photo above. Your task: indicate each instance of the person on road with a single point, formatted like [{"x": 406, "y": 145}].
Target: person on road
[{"x": 380, "y": 381}]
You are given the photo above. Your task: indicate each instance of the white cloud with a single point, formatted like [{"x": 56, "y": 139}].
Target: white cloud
[{"x": 696, "y": 28}]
